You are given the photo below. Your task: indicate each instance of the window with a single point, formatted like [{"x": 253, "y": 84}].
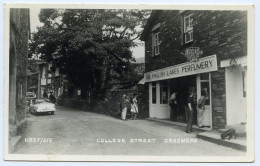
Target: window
[
  {"x": 163, "y": 92},
  {"x": 154, "y": 92},
  {"x": 43, "y": 72},
  {"x": 156, "y": 43},
  {"x": 188, "y": 29}
]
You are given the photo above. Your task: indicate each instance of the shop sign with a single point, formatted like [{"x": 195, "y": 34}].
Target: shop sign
[
  {"x": 193, "y": 53},
  {"x": 205, "y": 64}
]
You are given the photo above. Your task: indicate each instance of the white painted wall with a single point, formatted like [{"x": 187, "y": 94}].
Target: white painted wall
[{"x": 236, "y": 105}]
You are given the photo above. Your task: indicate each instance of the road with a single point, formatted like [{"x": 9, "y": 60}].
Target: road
[{"x": 72, "y": 131}]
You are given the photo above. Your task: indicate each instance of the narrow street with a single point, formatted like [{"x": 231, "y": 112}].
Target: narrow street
[{"x": 71, "y": 131}]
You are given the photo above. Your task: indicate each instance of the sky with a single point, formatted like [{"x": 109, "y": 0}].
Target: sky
[{"x": 35, "y": 22}]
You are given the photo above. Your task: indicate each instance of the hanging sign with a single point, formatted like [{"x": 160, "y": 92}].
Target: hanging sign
[
  {"x": 193, "y": 53},
  {"x": 203, "y": 65}
]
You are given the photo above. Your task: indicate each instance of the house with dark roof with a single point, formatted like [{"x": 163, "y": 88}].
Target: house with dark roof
[{"x": 202, "y": 50}]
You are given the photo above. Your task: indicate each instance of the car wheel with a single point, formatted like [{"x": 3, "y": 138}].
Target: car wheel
[{"x": 52, "y": 112}]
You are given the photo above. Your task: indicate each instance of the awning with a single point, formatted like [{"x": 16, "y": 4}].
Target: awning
[{"x": 142, "y": 81}]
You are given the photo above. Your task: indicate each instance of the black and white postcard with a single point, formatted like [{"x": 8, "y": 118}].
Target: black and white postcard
[{"x": 140, "y": 83}]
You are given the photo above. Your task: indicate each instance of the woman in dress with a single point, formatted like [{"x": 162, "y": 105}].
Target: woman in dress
[
  {"x": 201, "y": 108},
  {"x": 134, "y": 107},
  {"x": 124, "y": 102}
]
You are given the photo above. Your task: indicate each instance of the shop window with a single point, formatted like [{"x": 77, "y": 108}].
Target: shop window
[
  {"x": 163, "y": 93},
  {"x": 244, "y": 73},
  {"x": 156, "y": 43},
  {"x": 154, "y": 92},
  {"x": 188, "y": 28}
]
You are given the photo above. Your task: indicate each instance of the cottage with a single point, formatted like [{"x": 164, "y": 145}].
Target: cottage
[{"x": 201, "y": 50}]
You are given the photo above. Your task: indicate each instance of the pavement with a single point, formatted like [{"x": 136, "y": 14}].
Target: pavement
[
  {"x": 70, "y": 131},
  {"x": 213, "y": 135}
]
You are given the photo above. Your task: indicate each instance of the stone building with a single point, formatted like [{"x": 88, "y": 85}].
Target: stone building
[
  {"x": 202, "y": 50},
  {"x": 18, "y": 55}
]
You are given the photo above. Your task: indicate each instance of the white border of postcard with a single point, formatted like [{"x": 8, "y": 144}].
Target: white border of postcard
[{"x": 249, "y": 157}]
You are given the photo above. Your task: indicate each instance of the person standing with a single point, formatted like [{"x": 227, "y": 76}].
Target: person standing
[
  {"x": 78, "y": 94},
  {"x": 124, "y": 101},
  {"x": 49, "y": 93},
  {"x": 52, "y": 98},
  {"x": 45, "y": 95},
  {"x": 173, "y": 105},
  {"x": 201, "y": 108},
  {"x": 134, "y": 107},
  {"x": 189, "y": 108}
]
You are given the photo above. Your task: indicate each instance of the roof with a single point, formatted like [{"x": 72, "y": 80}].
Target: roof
[{"x": 148, "y": 24}]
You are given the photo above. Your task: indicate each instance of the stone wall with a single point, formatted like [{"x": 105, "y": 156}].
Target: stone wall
[
  {"x": 218, "y": 94},
  {"x": 18, "y": 56},
  {"x": 223, "y": 33}
]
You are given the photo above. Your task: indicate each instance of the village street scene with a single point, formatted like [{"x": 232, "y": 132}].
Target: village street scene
[{"x": 128, "y": 82}]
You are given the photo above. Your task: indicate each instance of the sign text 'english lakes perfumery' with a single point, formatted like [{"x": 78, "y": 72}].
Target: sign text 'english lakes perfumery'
[{"x": 203, "y": 65}]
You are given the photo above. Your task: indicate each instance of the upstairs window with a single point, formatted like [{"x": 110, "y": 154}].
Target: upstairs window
[
  {"x": 156, "y": 44},
  {"x": 188, "y": 28},
  {"x": 156, "y": 39}
]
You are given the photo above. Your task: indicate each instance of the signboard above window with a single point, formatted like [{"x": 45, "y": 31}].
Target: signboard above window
[{"x": 204, "y": 65}]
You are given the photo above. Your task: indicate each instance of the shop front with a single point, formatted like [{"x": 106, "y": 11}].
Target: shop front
[{"x": 178, "y": 79}]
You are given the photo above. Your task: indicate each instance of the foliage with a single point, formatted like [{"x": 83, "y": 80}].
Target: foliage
[{"x": 87, "y": 44}]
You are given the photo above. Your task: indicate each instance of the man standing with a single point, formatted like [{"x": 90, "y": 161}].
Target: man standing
[{"x": 189, "y": 108}]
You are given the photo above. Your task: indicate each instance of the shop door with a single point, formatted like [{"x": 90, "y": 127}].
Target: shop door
[
  {"x": 163, "y": 108},
  {"x": 203, "y": 84}
]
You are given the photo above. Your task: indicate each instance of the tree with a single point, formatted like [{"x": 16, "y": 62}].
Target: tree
[{"x": 87, "y": 44}]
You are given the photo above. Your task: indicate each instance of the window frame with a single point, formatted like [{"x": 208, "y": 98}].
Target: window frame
[
  {"x": 189, "y": 31},
  {"x": 156, "y": 43}
]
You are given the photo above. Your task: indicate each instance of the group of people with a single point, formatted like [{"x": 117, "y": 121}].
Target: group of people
[
  {"x": 190, "y": 107},
  {"x": 127, "y": 105},
  {"x": 49, "y": 96}
]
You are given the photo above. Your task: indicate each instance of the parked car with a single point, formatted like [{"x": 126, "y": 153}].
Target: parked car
[
  {"x": 30, "y": 95},
  {"x": 42, "y": 105}
]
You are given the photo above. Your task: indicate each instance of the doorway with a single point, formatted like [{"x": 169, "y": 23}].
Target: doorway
[
  {"x": 204, "y": 84},
  {"x": 180, "y": 86}
]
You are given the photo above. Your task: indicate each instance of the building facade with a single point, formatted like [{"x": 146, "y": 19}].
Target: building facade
[
  {"x": 18, "y": 56},
  {"x": 199, "y": 50},
  {"x": 50, "y": 81}
]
